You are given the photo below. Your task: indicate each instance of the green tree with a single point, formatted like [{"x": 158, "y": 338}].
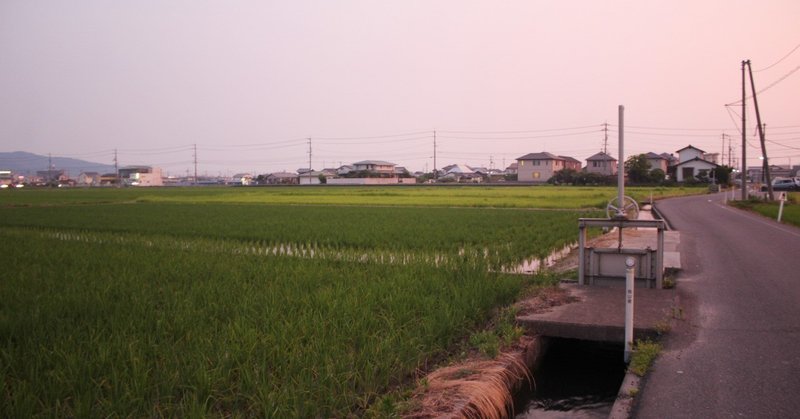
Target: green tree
[
  {"x": 722, "y": 174},
  {"x": 638, "y": 169},
  {"x": 563, "y": 177}
]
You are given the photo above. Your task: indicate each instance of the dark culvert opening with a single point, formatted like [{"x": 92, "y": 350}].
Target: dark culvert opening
[{"x": 576, "y": 379}]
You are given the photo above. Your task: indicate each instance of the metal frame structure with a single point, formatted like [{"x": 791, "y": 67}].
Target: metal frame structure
[{"x": 620, "y": 223}]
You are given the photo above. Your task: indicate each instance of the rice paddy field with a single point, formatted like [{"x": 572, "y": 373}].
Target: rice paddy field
[{"x": 267, "y": 302}]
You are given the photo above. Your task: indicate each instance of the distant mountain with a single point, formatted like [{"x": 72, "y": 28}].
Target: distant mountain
[{"x": 28, "y": 163}]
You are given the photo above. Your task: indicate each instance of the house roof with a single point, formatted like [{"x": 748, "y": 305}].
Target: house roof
[
  {"x": 240, "y": 175},
  {"x": 697, "y": 159},
  {"x": 572, "y": 159},
  {"x": 374, "y": 162},
  {"x": 461, "y": 169},
  {"x": 654, "y": 156},
  {"x": 540, "y": 156},
  {"x": 601, "y": 157},
  {"x": 282, "y": 175},
  {"x": 690, "y": 147}
]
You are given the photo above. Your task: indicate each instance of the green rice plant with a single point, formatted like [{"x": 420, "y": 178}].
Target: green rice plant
[
  {"x": 98, "y": 329},
  {"x": 540, "y": 196}
]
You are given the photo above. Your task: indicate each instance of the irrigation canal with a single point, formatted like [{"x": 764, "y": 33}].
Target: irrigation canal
[{"x": 576, "y": 379}]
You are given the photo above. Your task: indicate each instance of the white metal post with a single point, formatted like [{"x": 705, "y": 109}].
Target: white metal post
[
  {"x": 629, "y": 264},
  {"x": 780, "y": 210},
  {"x": 621, "y": 164},
  {"x": 581, "y": 254}
]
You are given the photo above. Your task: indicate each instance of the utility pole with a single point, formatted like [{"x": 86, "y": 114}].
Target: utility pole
[
  {"x": 722, "y": 160},
  {"x": 435, "y": 173},
  {"x": 730, "y": 151},
  {"x": 309, "y": 154},
  {"x": 195, "y": 163},
  {"x": 761, "y": 134},
  {"x": 116, "y": 167},
  {"x": 744, "y": 137},
  {"x": 605, "y": 137}
]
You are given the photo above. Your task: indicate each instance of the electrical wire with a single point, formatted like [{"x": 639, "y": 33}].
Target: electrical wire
[
  {"x": 771, "y": 85},
  {"x": 521, "y": 132},
  {"x": 779, "y": 61}
]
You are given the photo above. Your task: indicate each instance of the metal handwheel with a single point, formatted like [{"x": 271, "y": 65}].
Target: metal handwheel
[{"x": 630, "y": 208}]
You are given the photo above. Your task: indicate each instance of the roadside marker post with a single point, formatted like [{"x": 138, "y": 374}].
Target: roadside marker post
[
  {"x": 629, "y": 264},
  {"x": 780, "y": 209}
]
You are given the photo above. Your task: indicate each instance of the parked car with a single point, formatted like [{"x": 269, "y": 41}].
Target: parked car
[{"x": 785, "y": 184}]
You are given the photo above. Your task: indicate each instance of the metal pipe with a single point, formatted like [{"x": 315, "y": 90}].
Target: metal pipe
[{"x": 621, "y": 165}]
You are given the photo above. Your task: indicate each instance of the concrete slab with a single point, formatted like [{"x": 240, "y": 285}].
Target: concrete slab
[{"x": 599, "y": 314}]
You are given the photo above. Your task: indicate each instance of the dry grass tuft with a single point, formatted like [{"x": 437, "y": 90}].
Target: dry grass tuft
[{"x": 474, "y": 389}]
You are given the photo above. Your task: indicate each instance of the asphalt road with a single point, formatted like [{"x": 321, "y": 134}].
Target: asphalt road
[{"x": 737, "y": 351}]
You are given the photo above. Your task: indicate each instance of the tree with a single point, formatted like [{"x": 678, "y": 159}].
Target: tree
[
  {"x": 722, "y": 174},
  {"x": 657, "y": 176},
  {"x": 638, "y": 169},
  {"x": 563, "y": 177}
]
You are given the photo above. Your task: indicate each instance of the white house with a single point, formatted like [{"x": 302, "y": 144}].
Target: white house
[
  {"x": 310, "y": 178},
  {"x": 375, "y": 166},
  {"x": 691, "y": 164},
  {"x": 141, "y": 176},
  {"x": 89, "y": 178},
  {"x": 243, "y": 179}
]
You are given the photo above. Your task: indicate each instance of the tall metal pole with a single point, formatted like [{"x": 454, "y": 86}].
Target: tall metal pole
[
  {"x": 435, "y": 176},
  {"x": 309, "y": 154},
  {"x": 621, "y": 164},
  {"x": 767, "y": 178},
  {"x": 195, "y": 163},
  {"x": 744, "y": 138}
]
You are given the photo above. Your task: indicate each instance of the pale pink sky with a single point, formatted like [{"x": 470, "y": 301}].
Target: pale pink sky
[{"x": 249, "y": 81}]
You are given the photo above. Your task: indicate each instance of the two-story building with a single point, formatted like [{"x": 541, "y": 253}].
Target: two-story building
[
  {"x": 141, "y": 176},
  {"x": 602, "y": 164},
  {"x": 691, "y": 164},
  {"x": 375, "y": 166},
  {"x": 539, "y": 167}
]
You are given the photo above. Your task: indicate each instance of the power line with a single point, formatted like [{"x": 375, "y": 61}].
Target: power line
[
  {"x": 523, "y": 131},
  {"x": 779, "y": 61},
  {"x": 771, "y": 85},
  {"x": 527, "y": 137}
]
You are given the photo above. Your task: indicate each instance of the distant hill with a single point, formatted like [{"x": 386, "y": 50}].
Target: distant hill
[{"x": 28, "y": 163}]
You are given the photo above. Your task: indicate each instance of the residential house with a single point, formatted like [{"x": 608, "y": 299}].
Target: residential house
[
  {"x": 345, "y": 169},
  {"x": 539, "y": 167},
  {"x": 375, "y": 166},
  {"x": 572, "y": 163},
  {"x": 512, "y": 168},
  {"x": 310, "y": 178},
  {"x": 282, "y": 178},
  {"x": 89, "y": 179},
  {"x": 602, "y": 164},
  {"x": 141, "y": 176},
  {"x": 244, "y": 179},
  {"x": 657, "y": 161},
  {"x": 461, "y": 173},
  {"x": 691, "y": 164},
  {"x": 51, "y": 176}
]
